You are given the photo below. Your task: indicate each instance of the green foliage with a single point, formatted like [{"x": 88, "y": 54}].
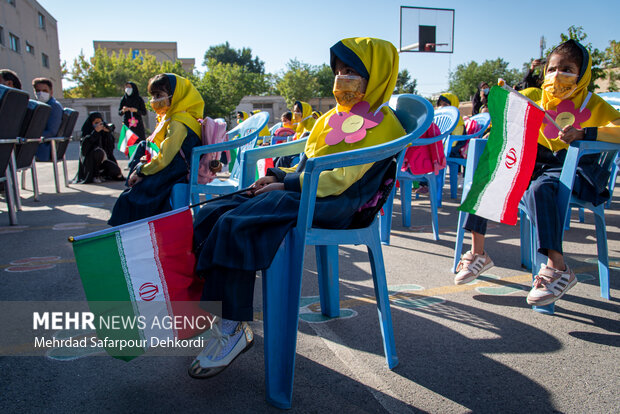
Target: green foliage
[
  {"x": 225, "y": 54},
  {"x": 464, "y": 80},
  {"x": 105, "y": 75},
  {"x": 612, "y": 65},
  {"x": 404, "y": 83},
  {"x": 225, "y": 84},
  {"x": 298, "y": 83},
  {"x": 577, "y": 33},
  {"x": 325, "y": 81}
]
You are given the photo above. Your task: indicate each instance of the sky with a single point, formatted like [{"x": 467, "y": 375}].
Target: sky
[{"x": 278, "y": 31}]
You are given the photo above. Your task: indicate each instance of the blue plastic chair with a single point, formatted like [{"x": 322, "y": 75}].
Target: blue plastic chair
[
  {"x": 483, "y": 121},
  {"x": 613, "y": 98},
  {"x": 566, "y": 200},
  {"x": 446, "y": 119},
  {"x": 247, "y": 132},
  {"x": 282, "y": 280},
  {"x": 474, "y": 151}
]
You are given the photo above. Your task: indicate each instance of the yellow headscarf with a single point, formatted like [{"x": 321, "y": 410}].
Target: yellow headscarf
[
  {"x": 265, "y": 131},
  {"x": 306, "y": 124},
  {"x": 535, "y": 94},
  {"x": 379, "y": 59},
  {"x": 454, "y": 101},
  {"x": 601, "y": 113},
  {"x": 186, "y": 106}
]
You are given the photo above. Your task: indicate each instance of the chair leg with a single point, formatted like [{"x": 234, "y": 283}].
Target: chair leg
[
  {"x": 35, "y": 180},
  {"x": 537, "y": 260},
  {"x": 64, "y": 169},
  {"x": 23, "y": 179},
  {"x": 567, "y": 222},
  {"x": 458, "y": 244},
  {"x": 329, "y": 289},
  {"x": 386, "y": 219},
  {"x": 10, "y": 197},
  {"x": 383, "y": 301},
  {"x": 405, "y": 201},
  {"x": 454, "y": 179},
  {"x": 439, "y": 181},
  {"x": 525, "y": 238},
  {"x": 603, "y": 255},
  {"x": 13, "y": 171},
  {"x": 582, "y": 215},
  {"x": 432, "y": 185},
  {"x": 281, "y": 295},
  {"x": 55, "y": 166}
]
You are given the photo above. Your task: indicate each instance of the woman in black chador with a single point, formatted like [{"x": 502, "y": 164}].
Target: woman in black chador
[
  {"x": 97, "y": 162},
  {"x": 132, "y": 110}
]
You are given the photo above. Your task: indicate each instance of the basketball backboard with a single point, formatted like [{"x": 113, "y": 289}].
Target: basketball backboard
[{"x": 425, "y": 29}]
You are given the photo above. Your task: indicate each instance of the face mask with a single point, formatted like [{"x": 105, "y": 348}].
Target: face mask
[
  {"x": 128, "y": 91},
  {"x": 160, "y": 105},
  {"x": 560, "y": 85},
  {"x": 296, "y": 117},
  {"x": 485, "y": 91},
  {"x": 42, "y": 96},
  {"x": 348, "y": 90}
]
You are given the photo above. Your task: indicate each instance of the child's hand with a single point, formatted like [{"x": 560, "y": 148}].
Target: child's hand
[
  {"x": 260, "y": 183},
  {"x": 133, "y": 180},
  {"x": 270, "y": 187},
  {"x": 570, "y": 134}
]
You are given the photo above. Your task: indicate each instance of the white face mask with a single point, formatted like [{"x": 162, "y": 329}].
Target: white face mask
[
  {"x": 42, "y": 96},
  {"x": 128, "y": 91},
  {"x": 485, "y": 91}
]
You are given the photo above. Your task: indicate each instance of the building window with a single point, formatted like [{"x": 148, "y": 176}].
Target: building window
[
  {"x": 45, "y": 60},
  {"x": 11, "y": 2},
  {"x": 41, "y": 21},
  {"x": 1, "y": 36},
  {"x": 14, "y": 43},
  {"x": 29, "y": 48},
  {"x": 103, "y": 109}
]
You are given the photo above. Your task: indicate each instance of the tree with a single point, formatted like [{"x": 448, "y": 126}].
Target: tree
[
  {"x": 463, "y": 82},
  {"x": 612, "y": 63},
  {"x": 404, "y": 83},
  {"x": 225, "y": 84},
  {"x": 299, "y": 82},
  {"x": 577, "y": 33},
  {"x": 225, "y": 54},
  {"x": 105, "y": 75}
]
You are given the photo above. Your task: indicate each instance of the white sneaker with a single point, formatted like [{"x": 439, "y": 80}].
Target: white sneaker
[
  {"x": 471, "y": 266},
  {"x": 550, "y": 284},
  {"x": 221, "y": 351}
]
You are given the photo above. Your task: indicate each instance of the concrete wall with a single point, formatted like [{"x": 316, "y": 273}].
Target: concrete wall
[
  {"x": 163, "y": 51},
  {"x": 108, "y": 107},
  {"x": 22, "y": 20}
]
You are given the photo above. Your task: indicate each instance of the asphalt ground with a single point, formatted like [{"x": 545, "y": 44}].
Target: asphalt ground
[{"x": 471, "y": 348}]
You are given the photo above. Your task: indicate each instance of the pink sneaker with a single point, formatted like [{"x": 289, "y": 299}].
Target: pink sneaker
[
  {"x": 471, "y": 266},
  {"x": 550, "y": 284},
  {"x": 423, "y": 189}
]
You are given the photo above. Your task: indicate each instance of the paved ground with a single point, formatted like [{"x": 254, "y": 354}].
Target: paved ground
[{"x": 472, "y": 348}]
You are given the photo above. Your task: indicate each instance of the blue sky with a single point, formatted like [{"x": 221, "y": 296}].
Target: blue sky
[{"x": 279, "y": 30}]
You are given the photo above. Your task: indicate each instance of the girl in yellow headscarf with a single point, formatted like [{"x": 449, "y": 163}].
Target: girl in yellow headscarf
[
  {"x": 166, "y": 154},
  {"x": 302, "y": 117},
  {"x": 582, "y": 115},
  {"x": 236, "y": 236}
]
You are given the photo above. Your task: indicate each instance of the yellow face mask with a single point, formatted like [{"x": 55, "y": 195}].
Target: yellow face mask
[
  {"x": 560, "y": 85},
  {"x": 348, "y": 90},
  {"x": 160, "y": 105}
]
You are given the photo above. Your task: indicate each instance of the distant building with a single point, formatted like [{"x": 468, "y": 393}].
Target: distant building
[
  {"x": 163, "y": 51},
  {"x": 29, "y": 43},
  {"x": 276, "y": 105}
]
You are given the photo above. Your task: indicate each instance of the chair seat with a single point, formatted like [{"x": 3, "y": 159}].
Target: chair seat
[{"x": 218, "y": 186}]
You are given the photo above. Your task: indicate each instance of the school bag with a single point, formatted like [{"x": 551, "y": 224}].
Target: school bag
[
  {"x": 213, "y": 132},
  {"x": 427, "y": 158},
  {"x": 471, "y": 127}
]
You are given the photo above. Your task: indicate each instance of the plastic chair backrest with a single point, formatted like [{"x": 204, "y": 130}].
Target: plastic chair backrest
[
  {"x": 63, "y": 125},
  {"x": 13, "y": 104},
  {"x": 613, "y": 98},
  {"x": 415, "y": 115},
  {"x": 35, "y": 119},
  {"x": 252, "y": 124},
  {"x": 483, "y": 120},
  {"x": 72, "y": 117},
  {"x": 446, "y": 119}
]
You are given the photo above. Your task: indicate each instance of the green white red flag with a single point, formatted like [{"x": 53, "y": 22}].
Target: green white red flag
[
  {"x": 505, "y": 167},
  {"x": 148, "y": 266},
  {"x": 126, "y": 139}
]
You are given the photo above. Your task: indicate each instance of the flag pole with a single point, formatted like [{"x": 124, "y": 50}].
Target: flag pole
[{"x": 502, "y": 83}]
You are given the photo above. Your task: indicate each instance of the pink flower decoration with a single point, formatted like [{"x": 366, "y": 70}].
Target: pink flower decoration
[
  {"x": 133, "y": 122},
  {"x": 565, "y": 114},
  {"x": 351, "y": 126}
]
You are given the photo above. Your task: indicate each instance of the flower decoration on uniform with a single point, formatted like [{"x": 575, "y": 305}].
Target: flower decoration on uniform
[
  {"x": 565, "y": 114},
  {"x": 351, "y": 126},
  {"x": 133, "y": 122}
]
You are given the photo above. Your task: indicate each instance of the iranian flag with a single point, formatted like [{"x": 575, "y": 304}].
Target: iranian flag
[
  {"x": 126, "y": 139},
  {"x": 505, "y": 167},
  {"x": 142, "y": 271}
]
